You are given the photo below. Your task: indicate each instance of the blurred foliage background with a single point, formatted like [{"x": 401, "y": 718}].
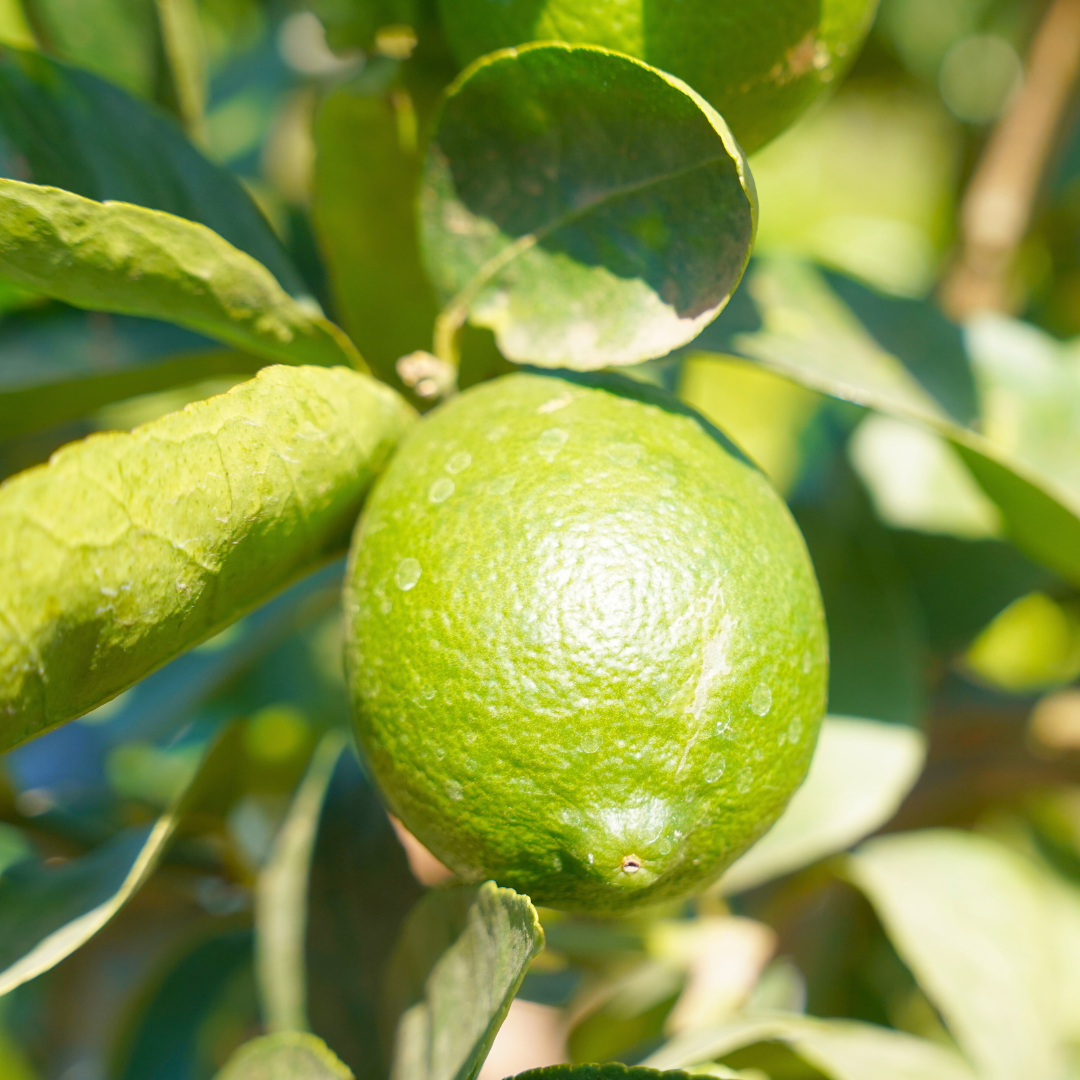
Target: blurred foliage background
[{"x": 937, "y": 624}]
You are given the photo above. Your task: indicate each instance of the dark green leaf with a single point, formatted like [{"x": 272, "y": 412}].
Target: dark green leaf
[
  {"x": 162, "y": 1040},
  {"x": 962, "y": 584},
  {"x": 133, "y": 261},
  {"x": 81, "y": 133},
  {"x": 875, "y": 636},
  {"x": 360, "y": 891},
  {"x": 461, "y": 960},
  {"x": 289, "y": 1055},
  {"x": 589, "y": 209},
  {"x": 62, "y": 364},
  {"x": 127, "y": 549}
]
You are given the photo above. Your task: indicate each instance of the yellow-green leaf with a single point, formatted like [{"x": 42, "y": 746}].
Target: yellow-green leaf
[
  {"x": 127, "y": 549},
  {"x": 289, "y": 1055}
]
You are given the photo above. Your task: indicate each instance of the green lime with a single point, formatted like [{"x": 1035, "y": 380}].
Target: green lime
[
  {"x": 760, "y": 65},
  {"x": 585, "y": 643}
]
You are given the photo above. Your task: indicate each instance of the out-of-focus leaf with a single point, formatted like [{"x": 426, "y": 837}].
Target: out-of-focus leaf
[
  {"x": 460, "y": 962},
  {"x": 917, "y": 480},
  {"x": 841, "y": 1049},
  {"x": 281, "y": 914},
  {"x": 354, "y": 24},
  {"x": 126, "y": 259},
  {"x": 970, "y": 919},
  {"x": 47, "y": 912},
  {"x": 858, "y": 777},
  {"x": 1063, "y": 914},
  {"x": 360, "y": 891},
  {"x": 875, "y": 636},
  {"x": 810, "y": 336},
  {"x": 162, "y": 1041},
  {"x": 14, "y": 28},
  {"x": 127, "y": 549},
  {"x": 764, "y": 413},
  {"x": 1034, "y": 644},
  {"x": 366, "y": 176},
  {"x": 724, "y": 957},
  {"x": 1029, "y": 394},
  {"x": 185, "y": 52},
  {"x": 115, "y": 38},
  {"x": 587, "y": 208},
  {"x": 81, "y": 133},
  {"x": 961, "y": 585},
  {"x": 611, "y": 1071},
  {"x": 288, "y": 1055},
  {"x": 64, "y": 364},
  {"x": 930, "y": 346}
]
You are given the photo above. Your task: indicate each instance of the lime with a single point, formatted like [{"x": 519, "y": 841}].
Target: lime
[
  {"x": 585, "y": 643},
  {"x": 759, "y": 65}
]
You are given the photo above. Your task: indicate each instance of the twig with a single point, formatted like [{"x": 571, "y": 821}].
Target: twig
[{"x": 997, "y": 207}]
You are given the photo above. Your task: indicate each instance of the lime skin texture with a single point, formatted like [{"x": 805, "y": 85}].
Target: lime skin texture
[
  {"x": 758, "y": 64},
  {"x": 584, "y": 642}
]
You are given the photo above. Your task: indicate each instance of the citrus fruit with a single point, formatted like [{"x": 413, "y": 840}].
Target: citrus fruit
[
  {"x": 584, "y": 640},
  {"x": 759, "y": 65}
]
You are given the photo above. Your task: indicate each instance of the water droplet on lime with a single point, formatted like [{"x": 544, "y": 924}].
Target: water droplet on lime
[
  {"x": 407, "y": 574},
  {"x": 441, "y": 490},
  {"x": 761, "y": 702}
]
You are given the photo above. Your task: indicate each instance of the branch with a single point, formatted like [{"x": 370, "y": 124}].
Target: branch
[{"x": 997, "y": 207}]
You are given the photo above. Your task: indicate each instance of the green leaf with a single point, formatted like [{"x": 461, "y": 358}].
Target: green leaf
[
  {"x": 63, "y": 364},
  {"x": 366, "y": 176},
  {"x": 47, "y": 912},
  {"x": 587, "y": 208},
  {"x": 858, "y": 777},
  {"x": 810, "y": 336},
  {"x": 127, "y": 549},
  {"x": 841, "y": 1049},
  {"x": 281, "y": 914},
  {"x": 971, "y": 920},
  {"x": 133, "y": 261},
  {"x": 611, "y": 1071},
  {"x": 360, "y": 890},
  {"x": 285, "y": 1056},
  {"x": 461, "y": 960},
  {"x": 80, "y": 133}
]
